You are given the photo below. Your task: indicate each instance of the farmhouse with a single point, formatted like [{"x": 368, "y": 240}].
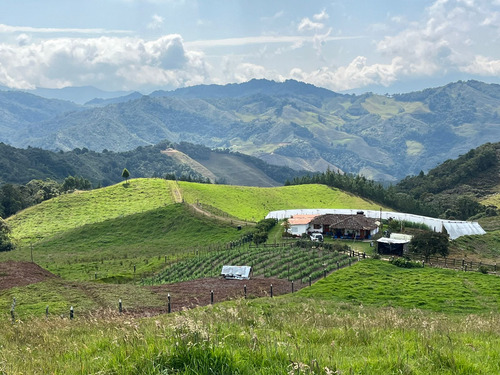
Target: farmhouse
[
  {"x": 454, "y": 228},
  {"x": 356, "y": 226}
]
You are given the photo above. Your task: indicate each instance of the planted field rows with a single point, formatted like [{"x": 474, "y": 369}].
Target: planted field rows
[{"x": 290, "y": 263}]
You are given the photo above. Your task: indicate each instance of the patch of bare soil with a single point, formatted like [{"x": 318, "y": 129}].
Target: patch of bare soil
[
  {"x": 14, "y": 274},
  {"x": 190, "y": 294}
]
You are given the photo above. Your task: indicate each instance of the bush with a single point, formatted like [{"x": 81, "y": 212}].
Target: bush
[
  {"x": 405, "y": 263},
  {"x": 483, "y": 269}
]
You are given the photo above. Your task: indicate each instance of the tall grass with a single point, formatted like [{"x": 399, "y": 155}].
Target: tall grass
[{"x": 290, "y": 335}]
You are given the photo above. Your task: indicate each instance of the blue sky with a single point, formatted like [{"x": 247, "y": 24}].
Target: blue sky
[{"x": 349, "y": 45}]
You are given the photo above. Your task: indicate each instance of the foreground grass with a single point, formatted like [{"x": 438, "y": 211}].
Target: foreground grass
[
  {"x": 371, "y": 318},
  {"x": 291, "y": 335}
]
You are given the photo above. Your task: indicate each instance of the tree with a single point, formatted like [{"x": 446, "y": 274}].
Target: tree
[
  {"x": 5, "y": 242},
  {"x": 286, "y": 227},
  {"x": 429, "y": 243},
  {"x": 125, "y": 174}
]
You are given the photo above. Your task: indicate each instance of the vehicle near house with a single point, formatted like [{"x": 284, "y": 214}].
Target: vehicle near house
[{"x": 317, "y": 237}]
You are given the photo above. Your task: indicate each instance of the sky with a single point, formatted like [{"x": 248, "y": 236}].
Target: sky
[{"x": 384, "y": 46}]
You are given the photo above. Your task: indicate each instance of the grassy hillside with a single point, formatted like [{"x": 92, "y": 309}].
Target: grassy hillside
[
  {"x": 379, "y": 283},
  {"x": 110, "y": 249},
  {"x": 319, "y": 330},
  {"x": 81, "y": 208},
  {"x": 254, "y": 204}
]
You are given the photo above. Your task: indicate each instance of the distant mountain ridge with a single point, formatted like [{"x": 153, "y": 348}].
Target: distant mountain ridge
[{"x": 283, "y": 123}]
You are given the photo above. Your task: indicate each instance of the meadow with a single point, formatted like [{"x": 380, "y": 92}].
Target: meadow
[
  {"x": 314, "y": 331},
  {"x": 123, "y": 241}
]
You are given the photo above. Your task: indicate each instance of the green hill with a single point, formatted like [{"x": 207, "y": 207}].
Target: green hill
[
  {"x": 382, "y": 284},
  {"x": 109, "y": 230}
]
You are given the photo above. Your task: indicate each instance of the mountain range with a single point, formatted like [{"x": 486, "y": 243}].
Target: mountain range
[{"x": 293, "y": 124}]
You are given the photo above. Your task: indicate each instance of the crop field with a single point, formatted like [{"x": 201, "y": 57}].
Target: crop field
[{"x": 291, "y": 263}]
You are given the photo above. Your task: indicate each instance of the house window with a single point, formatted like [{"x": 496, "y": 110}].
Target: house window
[
  {"x": 295, "y": 229},
  {"x": 317, "y": 226}
]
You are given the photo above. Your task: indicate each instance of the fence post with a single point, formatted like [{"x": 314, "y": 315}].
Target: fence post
[
  {"x": 309, "y": 280},
  {"x": 245, "y": 290},
  {"x": 324, "y": 273},
  {"x": 211, "y": 297},
  {"x": 12, "y": 308},
  {"x": 271, "y": 290},
  {"x": 71, "y": 313},
  {"x": 292, "y": 286},
  {"x": 169, "y": 309},
  {"x": 120, "y": 306},
  {"x": 47, "y": 311}
]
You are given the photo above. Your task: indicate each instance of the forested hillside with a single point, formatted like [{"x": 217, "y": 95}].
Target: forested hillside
[
  {"x": 452, "y": 190},
  {"x": 382, "y": 137}
]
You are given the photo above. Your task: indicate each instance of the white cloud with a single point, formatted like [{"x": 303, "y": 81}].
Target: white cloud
[
  {"x": 323, "y": 16},
  {"x": 50, "y": 30},
  {"x": 307, "y": 25},
  {"x": 445, "y": 40},
  {"x": 156, "y": 22},
  {"x": 264, "y": 39},
  {"x": 356, "y": 74},
  {"x": 483, "y": 66},
  {"x": 114, "y": 63}
]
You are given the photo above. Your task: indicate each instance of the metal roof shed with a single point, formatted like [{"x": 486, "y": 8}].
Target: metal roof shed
[{"x": 236, "y": 272}]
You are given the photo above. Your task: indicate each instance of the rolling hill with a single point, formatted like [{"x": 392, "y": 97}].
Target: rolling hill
[{"x": 289, "y": 123}]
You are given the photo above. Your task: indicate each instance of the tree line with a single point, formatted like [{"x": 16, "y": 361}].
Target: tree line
[
  {"x": 449, "y": 191},
  {"x": 16, "y": 197}
]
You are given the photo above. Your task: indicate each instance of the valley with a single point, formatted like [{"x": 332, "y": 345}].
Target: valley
[{"x": 124, "y": 277}]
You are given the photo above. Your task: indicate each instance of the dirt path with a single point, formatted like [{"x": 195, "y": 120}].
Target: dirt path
[
  {"x": 14, "y": 274},
  {"x": 176, "y": 192},
  {"x": 201, "y": 211}
]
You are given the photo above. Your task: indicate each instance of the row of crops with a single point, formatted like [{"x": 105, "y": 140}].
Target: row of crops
[{"x": 292, "y": 263}]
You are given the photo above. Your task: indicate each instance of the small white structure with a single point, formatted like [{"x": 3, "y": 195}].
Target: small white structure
[{"x": 236, "y": 272}]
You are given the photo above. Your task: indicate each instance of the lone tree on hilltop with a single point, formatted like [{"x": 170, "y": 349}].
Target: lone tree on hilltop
[{"x": 125, "y": 174}]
